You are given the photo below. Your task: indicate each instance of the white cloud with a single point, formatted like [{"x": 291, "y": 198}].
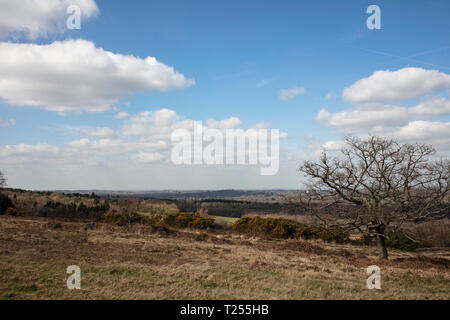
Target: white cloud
[
  {"x": 230, "y": 123},
  {"x": 333, "y": 146},
  {"x": 286, "y": 94},
  {"x": 261, "y": 125},
  {"x": 27, "y": 153},
  {"x": 74, "y": 75},
  {"x": 121, "y": 115},
  {"x": 284, "y": 135},
  {"x": 330, "y": 95},
  {"x": 380, "y": 117},
  {"x": 263, "y": 83},
  {"x": 7, "y": 123},
  {"x": 349, "y": 120},
  {"x": 407, "y": 124},
  {"x": 323, "y": 115},
  {"x": 99, "y": 132},
  {"x": 137, "y": 161},
  {"x": 40, "y": 18},
  {"x": 432, "y": 132},
  {"x": 386, "y": 85},
  {"x": 432, "y": 107},
  {"x": 144, "y": 138},
  {"x": 157, "y": 123},
  {"x": 148, "y": 157}
]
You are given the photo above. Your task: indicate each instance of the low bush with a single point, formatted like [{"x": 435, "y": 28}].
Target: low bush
[
  {"x": 272, "y": 227},
  {"x": 5, "y": 203},
  {"x": 307, "y": 232},
  {"x": 286, "y": 228},
  {"x": 179, "y": 220},
  {"x": 13, "y": 212},
  {"x": 334, "y": 234},
  {"x": 400, "y": 240},
  {"x": 182, "y": 220},
  {"x": 122, "y": 219}
]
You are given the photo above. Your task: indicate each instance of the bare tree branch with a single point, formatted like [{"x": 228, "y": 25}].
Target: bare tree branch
[{"x": 376, "y": 185}]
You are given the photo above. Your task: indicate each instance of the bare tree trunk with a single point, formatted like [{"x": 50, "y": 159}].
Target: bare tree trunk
[
  {"x": 382, "y": 247},
  {"x": 381, "y": 241}
]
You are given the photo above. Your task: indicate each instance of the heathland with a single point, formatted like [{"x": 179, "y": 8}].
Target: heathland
[{"x": 142, "y": 248}]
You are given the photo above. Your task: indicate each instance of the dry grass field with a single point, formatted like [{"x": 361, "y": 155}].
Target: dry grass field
[{"x": 141, "y": 262}]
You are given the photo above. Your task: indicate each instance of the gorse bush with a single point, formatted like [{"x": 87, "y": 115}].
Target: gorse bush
[
  {"x": 286, "y": 228},
  {"x": 179, "y": 220},
  {"x": 274, "y": 227},
  {"x": 307, "y": 232},
  {"x": 334, "y": 234},
  {"x": 13, "y": 212},
  {"x": 182, "y": 220}
]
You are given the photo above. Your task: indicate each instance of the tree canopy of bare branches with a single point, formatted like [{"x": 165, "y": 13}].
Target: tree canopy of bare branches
[
  {"x": 382, "y": 183},
  {"x": 2, "y": 180}
]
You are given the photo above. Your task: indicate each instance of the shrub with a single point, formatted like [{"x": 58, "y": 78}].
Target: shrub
[
  {"x": 5, "y": 203},
  {"x": 122, "y": 219},
  {"x": 401, "y": 241},
  {"x": 307, "y": 232},
  {"x": 13, "y": 212},
  {"x": 334, "y": 234},
  {"x": 286, "y": 228},
  {"x": 56, "y": 209},
  {"x": 183, "y": 220},
  {"x": 179, "y": 220},
  {"x": 274, "y": 227}
]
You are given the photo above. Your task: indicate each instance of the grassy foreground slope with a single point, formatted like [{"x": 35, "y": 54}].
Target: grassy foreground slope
[{"x": 141, "y": 262}]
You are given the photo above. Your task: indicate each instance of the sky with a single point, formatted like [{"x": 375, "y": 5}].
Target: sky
[{"x": 95, "y": 107}]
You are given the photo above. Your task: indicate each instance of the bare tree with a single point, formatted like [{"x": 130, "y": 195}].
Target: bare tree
[
  {"x": 2, "y": 180},
  {"x": 376, "y": 185}
]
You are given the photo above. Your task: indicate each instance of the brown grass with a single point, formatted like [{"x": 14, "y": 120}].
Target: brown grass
[{"x": 143, "y": 262}]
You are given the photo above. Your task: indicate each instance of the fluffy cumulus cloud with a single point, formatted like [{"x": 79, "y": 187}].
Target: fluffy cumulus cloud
[
  {"x": 75, "y": 75},
  {"x": 386, "y": 85},
  {"x": 437, "y": 133},
  {"x": 355, "y": 119},
  {"x": 121, "y": 115},
  {"x": 432, "y": 107},
  {"x": 374, "y": 113},
  {"x": 40, "y": 18},
  {"x": 286, "y": 94}
]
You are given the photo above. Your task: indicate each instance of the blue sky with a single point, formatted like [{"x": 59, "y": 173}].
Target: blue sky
[{"x": 240, "y": 54}]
